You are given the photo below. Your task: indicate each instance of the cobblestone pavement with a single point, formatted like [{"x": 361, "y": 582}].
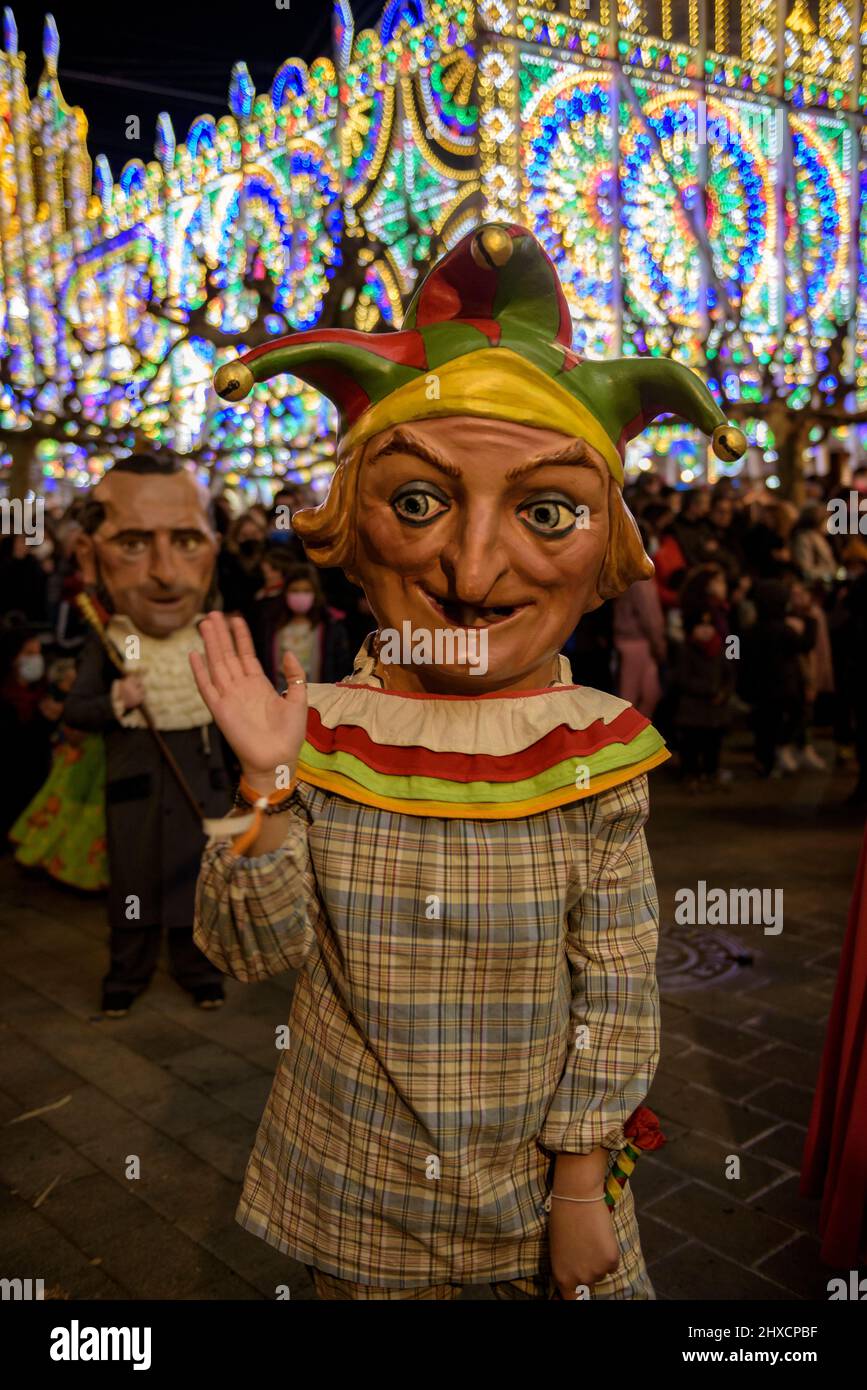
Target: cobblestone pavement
[{"x": 743, "y": 1022}]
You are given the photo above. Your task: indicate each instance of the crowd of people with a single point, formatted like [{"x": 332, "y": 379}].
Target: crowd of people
[{"x": 756, "y": 618}]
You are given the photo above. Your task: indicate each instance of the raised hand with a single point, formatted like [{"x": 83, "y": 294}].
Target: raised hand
[{"x": 264, "y": 729}]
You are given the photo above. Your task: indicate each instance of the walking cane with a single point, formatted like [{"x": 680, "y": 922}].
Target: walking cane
[{"x": 89, "y": 612}]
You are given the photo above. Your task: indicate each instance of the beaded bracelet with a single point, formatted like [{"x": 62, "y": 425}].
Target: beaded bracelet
[
  {"x": 260, "y": 805},
  {"x": 272, "y": 809}
]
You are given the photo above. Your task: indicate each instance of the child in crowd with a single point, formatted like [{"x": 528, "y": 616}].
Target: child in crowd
[
  {"x": 299, "y": 621},
  {"x": 704, "y": 680}
]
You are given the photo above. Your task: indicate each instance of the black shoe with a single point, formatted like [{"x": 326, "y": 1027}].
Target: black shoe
[
  {"x": 209, "y": 996},
  {"x": 116, "y": 1003}
]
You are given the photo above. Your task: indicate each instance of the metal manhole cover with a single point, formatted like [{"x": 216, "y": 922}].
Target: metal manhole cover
[{"x": 694, "y": 958}]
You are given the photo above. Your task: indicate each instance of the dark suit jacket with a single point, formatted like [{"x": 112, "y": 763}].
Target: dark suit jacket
[{"x": 154, "y": 842}]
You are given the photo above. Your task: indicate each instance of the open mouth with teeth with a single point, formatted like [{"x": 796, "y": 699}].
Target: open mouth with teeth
[{"x": 458, "y": 614}]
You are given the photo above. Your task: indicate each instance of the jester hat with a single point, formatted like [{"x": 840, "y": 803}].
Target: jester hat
[{"x": 488, "y": 333}]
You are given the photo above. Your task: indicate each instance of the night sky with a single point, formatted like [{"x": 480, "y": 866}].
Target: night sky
[{"x": 132, "y": 58}]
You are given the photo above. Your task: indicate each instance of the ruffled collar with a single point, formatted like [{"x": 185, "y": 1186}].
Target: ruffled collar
[
  {"x": 364, "y": 672},
  {"x": 475, "y": 756}
]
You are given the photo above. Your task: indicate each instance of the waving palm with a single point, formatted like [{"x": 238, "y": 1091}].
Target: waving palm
[{"x": 265, "y": 729}]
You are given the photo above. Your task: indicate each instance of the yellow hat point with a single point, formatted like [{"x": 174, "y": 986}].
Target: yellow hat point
[
  {"x": 728, "y": 443},
  {"x": 491, "y": 248},
  {"x": 233, "y": 381}
]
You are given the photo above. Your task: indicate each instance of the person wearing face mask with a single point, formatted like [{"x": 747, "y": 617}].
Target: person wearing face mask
[
  {"x": 299, "y": 621},
  {"x": 28, "y": 717},
  {"x": 239, "y": 568}
]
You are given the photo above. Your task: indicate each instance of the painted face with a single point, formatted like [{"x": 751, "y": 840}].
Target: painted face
[
  {"x": 493, "y": 529},
  {"x": 155, "y": 550}
]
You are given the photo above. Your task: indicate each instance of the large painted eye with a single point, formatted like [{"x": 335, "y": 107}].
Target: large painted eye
[
  {"x": 549, "y": 516},
  {"x": 418, "y": 506}
]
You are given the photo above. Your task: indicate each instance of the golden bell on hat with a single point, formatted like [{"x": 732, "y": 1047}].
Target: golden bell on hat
[
  {"x": 728, "y": 443},
  {"x": 491, "y": 247},
  {"x": 233, "y": 381}
]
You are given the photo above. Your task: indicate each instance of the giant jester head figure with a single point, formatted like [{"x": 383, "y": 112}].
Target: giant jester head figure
[
  {"x": 148, "y": 544},
  {"x": 480, "y": 462}
]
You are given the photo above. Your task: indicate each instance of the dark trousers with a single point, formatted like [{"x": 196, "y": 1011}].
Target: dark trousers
[
  {"x": 135, "y": 952},
  {"x": 776, "y": 725},
  {"x": 699, "y": 751}
]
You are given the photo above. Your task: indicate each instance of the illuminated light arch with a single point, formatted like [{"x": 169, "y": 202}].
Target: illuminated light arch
[
  {"x": 365, "y": 136},
  {"x": 290, "y": 80},
  {"x": 823, "y": 191},
  {"x": 398, "y": 12}
]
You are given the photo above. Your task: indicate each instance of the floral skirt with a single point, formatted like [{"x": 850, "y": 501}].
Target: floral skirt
[{"x": 63, "y": 829}]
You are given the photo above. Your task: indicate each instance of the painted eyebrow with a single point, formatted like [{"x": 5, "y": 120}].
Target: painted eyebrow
[
  {"x": 404, "y": 441},
  {"x": 571, "y": 455}
]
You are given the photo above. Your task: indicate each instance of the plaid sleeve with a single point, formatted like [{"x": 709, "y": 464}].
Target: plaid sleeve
[
  {"x": 614, "y": 1016},
  {"x": 254, "y": 917}
]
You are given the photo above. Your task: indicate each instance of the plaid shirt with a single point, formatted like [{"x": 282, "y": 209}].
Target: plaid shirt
[{"x": 445, "y": 970}]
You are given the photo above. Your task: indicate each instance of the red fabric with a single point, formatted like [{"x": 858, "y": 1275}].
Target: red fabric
[
  {"x": 835, "y": 1155},
  {"x": 555, "y": 747},
  {"x": 668, "y": 561}
]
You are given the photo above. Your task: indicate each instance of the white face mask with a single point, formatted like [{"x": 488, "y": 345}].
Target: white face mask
[{"x": 30, "y": 667}]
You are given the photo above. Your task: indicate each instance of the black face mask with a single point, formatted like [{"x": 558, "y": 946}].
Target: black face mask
[{"x": 248, "y": 548}]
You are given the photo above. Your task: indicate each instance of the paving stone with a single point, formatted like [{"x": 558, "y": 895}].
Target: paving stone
[
  {"x": 725, "y": 1224},
  {"x": 799, "y": 1268},
  {"x": 263, "y": 1267},
  {"x": 247, "y": 1097},
  {"x": 695, "y": 1272},
  {"x": 30, "y": 1075},
  {"x": 34, "y": 1249},
  {"x": 787, "y": 1063},
  {"x": 225, "y": 1145},
  {"x": 706, "y": 1111},
  {"x": 210, "y": 1067},
  {"x": 154, "y": 1036},
  {"x": 658, "y": 1239},
  {"x": 733, "y": 1079},
  {"x": 717, "y": 1037},
  {"x": 180, "y": 1108},
  {"x": 159, "y": 1262},
  {"x": 784, "y": 1100},
  {"x": 653, "y": 1179},
  {"x": 706, "y": 1159},
  {"x": 723, "y": 1005},
  {"x": 32, "y": 1158},
  {"x": 785, "y": 1203},
  {"x": 779, "y": 1027},
  {"x": 793, "y": 999},
  {"x": 784, "y": 1144}
]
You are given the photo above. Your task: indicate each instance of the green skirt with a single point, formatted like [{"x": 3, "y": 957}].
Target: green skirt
[{"x": 63, "y": 829}]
